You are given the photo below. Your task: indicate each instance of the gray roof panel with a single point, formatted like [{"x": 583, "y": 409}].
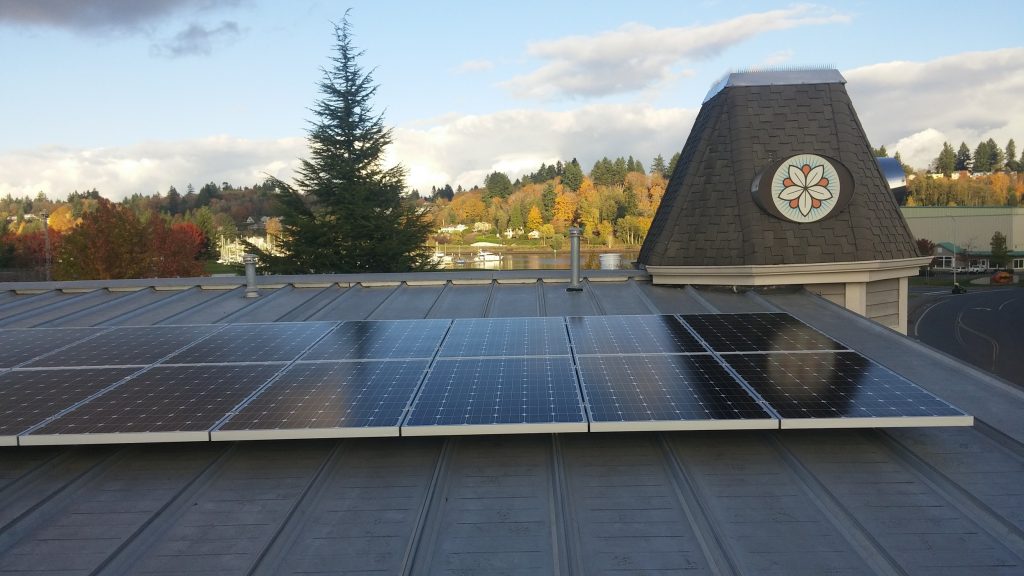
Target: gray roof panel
[{"x": 915, "y": 501}]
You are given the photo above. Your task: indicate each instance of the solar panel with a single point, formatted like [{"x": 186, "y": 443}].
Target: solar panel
[
  {"x": 474, "y": 337},
  {"x": 329, "y": 399},
  {"x": 29, "y": 397},
  {"x": 21, "y": 345},
  {"x": 841, "y": 390},
  {"x": 630, "y": 335},
  {"x": 758, "y": 332},
  {"x": 163, "y": 404},
  {"x": 380, "y": 339},
  {"x": 497, "y": 396},
  {"x": 281, "y": 342},
  {"x": 666, "y": 392},
  {"x": 129, "y": 346}
]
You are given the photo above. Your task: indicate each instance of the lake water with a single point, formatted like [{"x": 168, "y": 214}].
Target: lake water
[{"x": 545, "y": 261}]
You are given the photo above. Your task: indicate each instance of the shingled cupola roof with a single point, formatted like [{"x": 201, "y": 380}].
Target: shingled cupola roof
[{"x": 742, "y": 192}]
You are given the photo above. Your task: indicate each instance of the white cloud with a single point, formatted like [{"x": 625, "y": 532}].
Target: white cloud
[
  {"x": 637, "y": 56},
  {"x": 913, "y": 107},
  {"x": 462, "y": 150},
  {"x": 147, "y": 167}
]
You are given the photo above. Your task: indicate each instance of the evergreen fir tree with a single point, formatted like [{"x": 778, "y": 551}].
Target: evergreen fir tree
[
  {"x": 572, "y": 176},
  {"x": 658, "y": 166},
  {"x": 345, "y": 213},
  {"x": 963, "y": 157}
]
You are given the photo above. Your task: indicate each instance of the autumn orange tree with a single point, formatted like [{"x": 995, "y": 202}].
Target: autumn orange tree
[{"x": 112, "y": 241}]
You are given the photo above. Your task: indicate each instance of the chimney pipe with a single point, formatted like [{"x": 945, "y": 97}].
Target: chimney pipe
[
  {"x": 574, "y": 260},
  {"x": 251, "y": 291}
]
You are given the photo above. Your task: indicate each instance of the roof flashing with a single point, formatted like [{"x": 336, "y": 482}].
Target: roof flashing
[{"x": 777, "y": 76}]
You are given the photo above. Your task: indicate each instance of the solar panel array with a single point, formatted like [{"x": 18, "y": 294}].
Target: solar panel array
[{"x": 443, "y": 377}]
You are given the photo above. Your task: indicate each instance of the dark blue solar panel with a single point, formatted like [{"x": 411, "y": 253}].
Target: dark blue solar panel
[
  {"x": 673, "y": 391},
  {"x": 630, "y": 335},
  {"x": 281, "y": 342},
  {"x": 21, "y": 345},
  {"x": 506, "y": 337},
  {"x": 826, "y": 388},
  {"x": 758, "y": 332},
  {"x": 128, "y": 346},
  {"x": 380, "y": 339},
  {"x": 515, "y": 394},
  {"x": 165, "y": 399},
  {"x": 326, "y": 395},
  {"x": 28, "y": 397}
]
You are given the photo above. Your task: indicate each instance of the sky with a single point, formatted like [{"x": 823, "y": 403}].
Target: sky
[{"x": 135, "y": 97}]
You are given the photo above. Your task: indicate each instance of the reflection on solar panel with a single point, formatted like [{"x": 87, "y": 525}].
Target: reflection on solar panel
[
  {"x": 495, "y": 396},
  {"x": 163, "y": 404},
  {"x": 29, "y": 397},
  {"x": 758, "y": 332},
  {"x": 281, "y": 342},
  {"x": 474, "y": 337},
  {"x": 329, "y": 399},
  {"x": 841, "y": 390},
  {"x": 380, "y": 339},
  {"x": 630, "y": 335},
  {"x": 666, "y": 392},
  {"x": 130, "y": 346},
  {"x": 21, "y": 345}
]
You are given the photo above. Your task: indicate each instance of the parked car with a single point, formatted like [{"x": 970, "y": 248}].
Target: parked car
[{"x": 976, "y": 269}]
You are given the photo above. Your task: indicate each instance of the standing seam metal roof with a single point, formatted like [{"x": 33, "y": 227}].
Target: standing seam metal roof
[{"x": 897, "y": 501}]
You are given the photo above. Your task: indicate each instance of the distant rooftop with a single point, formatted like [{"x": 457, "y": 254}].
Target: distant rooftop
[{"x": 775, "y": 76}]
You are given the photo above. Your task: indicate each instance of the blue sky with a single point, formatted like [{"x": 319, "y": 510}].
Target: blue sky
[{"x": 129, "y": 96}]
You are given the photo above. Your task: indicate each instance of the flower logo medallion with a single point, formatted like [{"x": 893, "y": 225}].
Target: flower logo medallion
[{"x": 805, "y": 188}]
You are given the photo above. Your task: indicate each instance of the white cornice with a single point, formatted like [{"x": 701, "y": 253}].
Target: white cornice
[{"x": 782, "y": 274}]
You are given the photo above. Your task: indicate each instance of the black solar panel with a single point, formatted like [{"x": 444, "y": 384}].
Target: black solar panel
[
  {"x": 383, "y": 339},
  {"x": 666, "y": 392},
  {"x": 129, "y": 346},
  {"x": 630, "y": 335},
  {"x": 165, "y": 403},
  {"x": 21, "y": 345},
  {"x": 29, "y": 397},
  {"x": 504, "y": 395},
  {"x": 475, "y": 337},
  {"x": 840, "y": 389},
  {"x": 282, "y": 342},
  {"x": 758, "y": 332},
  {"x": 329, "y": 399}
]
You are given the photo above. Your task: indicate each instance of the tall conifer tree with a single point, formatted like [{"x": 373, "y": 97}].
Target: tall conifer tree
[{"x": 345, "y": 212}]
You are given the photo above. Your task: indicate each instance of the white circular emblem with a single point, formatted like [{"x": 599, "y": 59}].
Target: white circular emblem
[{"x": 805, "y": 188}]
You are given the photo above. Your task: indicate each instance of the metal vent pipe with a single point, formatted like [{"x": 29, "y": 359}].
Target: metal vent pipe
[
  {"x": 251, "y": 291},
  {"x": 574, "y": 259}
]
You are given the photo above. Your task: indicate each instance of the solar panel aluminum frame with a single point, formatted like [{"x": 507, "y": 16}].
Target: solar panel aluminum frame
[
  {"x": 306, "y": 433},
  {"x": 484, "y": 429},
  {"x": 114, "y": 438},
  {"x": 876, "y": 422},
  {"x": 682, "y": 425}
]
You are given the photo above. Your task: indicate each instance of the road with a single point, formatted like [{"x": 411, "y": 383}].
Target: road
[{"x": 982, "y": 327}]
